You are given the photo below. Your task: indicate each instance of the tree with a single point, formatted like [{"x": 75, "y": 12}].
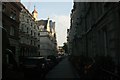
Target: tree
[{"x": 65, "y": 47}]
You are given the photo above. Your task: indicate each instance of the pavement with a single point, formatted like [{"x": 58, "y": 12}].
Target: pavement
[{"x": 63, "y": 71}]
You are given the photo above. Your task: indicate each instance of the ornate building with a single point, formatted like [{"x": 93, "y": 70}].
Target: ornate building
[
  {"x": 28, "y": 34},
  {"x": 48, "y": 43}
]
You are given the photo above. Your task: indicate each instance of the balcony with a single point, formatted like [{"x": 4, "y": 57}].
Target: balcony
[{"x": 44, "y": 33}]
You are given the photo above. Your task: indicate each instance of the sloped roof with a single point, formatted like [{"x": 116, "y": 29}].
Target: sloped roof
[{"x": 42, "y": 22}]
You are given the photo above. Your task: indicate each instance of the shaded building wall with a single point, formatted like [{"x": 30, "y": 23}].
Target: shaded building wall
[
  {"x": 10, "y": 21},
  {"x": 94, "y": 29}
]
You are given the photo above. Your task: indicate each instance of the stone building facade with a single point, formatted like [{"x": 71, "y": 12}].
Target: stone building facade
[
  {"x": 48, "y": 43},
  {"x": 27, "y": 35},
  {"x": 95, "y": 30},
  {"x": 28, "y": 31}
]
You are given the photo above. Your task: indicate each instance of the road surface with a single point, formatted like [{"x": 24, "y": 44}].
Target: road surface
[{"x": 64, "y": 70}]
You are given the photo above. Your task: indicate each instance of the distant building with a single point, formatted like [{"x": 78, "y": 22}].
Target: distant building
[
  {"x": 10, "y": 21},
  {"x": 48, "y": 43},
  {"x": 60, "y": 50}
]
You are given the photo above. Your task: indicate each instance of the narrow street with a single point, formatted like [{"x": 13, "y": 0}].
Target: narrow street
[
  {"x": 60, "y": 40},
  {"x": 64, "y": 70}
]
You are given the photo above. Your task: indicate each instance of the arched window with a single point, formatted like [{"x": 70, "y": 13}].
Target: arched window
[
  {"x": 31, "y": 32},
  {"x": 12, "y": 31}
]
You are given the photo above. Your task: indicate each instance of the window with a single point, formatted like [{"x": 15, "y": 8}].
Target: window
[
  {"x": 31, "y": 42},
  {"x": 27, "y": 20},
  {"x": 38, "y": 34},
  {"x": 27, "y": 30},
  {"x": 34, "y": 34},
  {"x": 13, "y": 15},
  {"x": 31, "y": 32},
  {"x": 12, "y": 31},
  {"x": 54, "y": 35},
  {"x": 34, "y": 43},
  {"x": 107, "y": 5},
  {"x": 105, "y": 37},
  {"x": 38, "y": 46},
  {"x": 3, "y": 7},
  {"x": 72, "y": 21},
  {"x": 22, "y": 28},
  {"x": 34, "y": 27}
]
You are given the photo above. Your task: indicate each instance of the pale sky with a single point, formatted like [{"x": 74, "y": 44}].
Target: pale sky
[{"x": 56, "y": 11}]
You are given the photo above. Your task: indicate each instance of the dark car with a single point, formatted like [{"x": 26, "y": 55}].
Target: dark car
[
  {"x": 33, "y": 67},
  {"x": 53, "y": 59},
  {"x": 59, "y": 58},
  {"x": 50, "y": 64}
]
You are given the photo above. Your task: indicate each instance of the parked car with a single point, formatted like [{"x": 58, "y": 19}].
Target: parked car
[
  {"x": 52, "y": 59},
  {"x": 33, "y": 67},
  {"x": 59, "y": 58},
  {"x": 50, "y": 64}
]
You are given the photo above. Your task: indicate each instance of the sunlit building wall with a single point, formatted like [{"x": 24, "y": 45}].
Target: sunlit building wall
[{"x": 48, "y": 43}]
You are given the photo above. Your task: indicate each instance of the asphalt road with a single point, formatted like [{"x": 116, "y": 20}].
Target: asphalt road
[{"x": 63, "y": 71}]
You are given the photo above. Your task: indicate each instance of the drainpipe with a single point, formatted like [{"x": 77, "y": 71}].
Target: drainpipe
[{"x": 86, "y": 33}]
